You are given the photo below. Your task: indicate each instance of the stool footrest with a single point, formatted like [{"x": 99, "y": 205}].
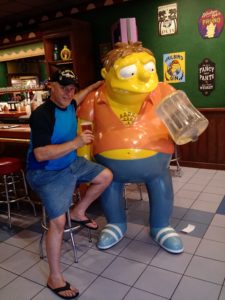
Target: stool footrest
[{"x": 13, "y": 187}]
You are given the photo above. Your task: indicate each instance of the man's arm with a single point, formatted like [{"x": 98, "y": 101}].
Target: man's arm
[
  {"x": 50, "y": 152},
  {"x": 80, "y": 96}
]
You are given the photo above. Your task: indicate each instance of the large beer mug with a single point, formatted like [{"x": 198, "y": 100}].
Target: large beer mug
[{"x": 184, "y": 122}]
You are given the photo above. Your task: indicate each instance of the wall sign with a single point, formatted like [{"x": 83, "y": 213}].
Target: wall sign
[
  {"x": 167, "y": 19},
  {"x": 206, "y": 74},
  {"x": 211, "y": 23},
  {"x": 174, "y": 67}
]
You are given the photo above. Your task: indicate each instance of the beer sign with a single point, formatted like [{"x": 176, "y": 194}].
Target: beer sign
[{"x": 206, "y": 74}]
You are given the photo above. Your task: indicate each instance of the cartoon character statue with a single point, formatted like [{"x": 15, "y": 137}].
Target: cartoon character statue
[{"x": 132, "y": 141}]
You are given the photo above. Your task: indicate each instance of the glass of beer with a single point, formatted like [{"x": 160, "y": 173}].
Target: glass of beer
[{"x": 86, "y": 126}]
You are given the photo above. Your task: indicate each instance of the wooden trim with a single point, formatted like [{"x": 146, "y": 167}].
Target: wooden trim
[
  {"x": 209, "y": 150},
  {"x": 212, "y": 110},
  {"x": 10, "y": 140}
]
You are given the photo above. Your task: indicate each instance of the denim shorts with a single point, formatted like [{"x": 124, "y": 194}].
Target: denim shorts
[{"x": 56, "y": 188}]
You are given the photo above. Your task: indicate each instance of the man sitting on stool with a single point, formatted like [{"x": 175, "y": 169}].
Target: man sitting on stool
[{"x": 54, "y": 168}]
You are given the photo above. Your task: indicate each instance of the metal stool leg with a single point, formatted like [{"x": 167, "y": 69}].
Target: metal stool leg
[
  {"x": 7, "y": 200},
  {"x": 140, "y": 190},
  {"x": 139, "y": 186},
  {"x": 72, "y": 238},
  {"x": 178, "y": 171},
  {"x": 77, "y": 196},
  {"x": 89, "y": 236},
  {"x": 26, "y": 192},
  {"x": 69, "y": 229},
  {"x": 44, "y": 229},
  {"x": 125, "y": 196}
]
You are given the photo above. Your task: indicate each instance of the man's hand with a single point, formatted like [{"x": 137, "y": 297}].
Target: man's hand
[{"x": 84, "y": 138}]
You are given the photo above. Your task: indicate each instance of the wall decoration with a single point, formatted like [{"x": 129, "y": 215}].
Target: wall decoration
[
  {"x": 174, "y": 67},
  {"x": 23, "y": 51},
  {"x": 211, "y": 23},
  {"x": 167, "y": 19},
  {"x": 206, "y": 74}
]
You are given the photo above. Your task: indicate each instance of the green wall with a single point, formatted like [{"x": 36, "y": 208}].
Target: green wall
[
  {"x": 3, "y": 80},
  {"x": 187, "y": 39},
  {"x": 3, "y": 72}
]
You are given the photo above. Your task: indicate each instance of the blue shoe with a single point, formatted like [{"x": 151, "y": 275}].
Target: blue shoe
[
  {"x": 168, "y": 239},
  {"x": 111, "y": 235}
]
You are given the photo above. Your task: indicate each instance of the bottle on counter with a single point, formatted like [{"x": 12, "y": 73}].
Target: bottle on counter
[{"x": 56, "y": 53}]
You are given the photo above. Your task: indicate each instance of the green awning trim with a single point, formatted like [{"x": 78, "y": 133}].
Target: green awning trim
[{"x": 24, "y": 51}]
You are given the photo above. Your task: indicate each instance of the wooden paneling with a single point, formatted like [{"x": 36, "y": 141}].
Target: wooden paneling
[
  {"x": 209, "y": 150},
  {"x": 9, "y": 133}
]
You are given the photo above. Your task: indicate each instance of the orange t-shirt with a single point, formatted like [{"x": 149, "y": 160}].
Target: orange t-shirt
[{"x": 146, "y": 132}]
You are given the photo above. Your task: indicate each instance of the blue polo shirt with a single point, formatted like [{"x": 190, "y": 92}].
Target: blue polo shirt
[{"x": 51, "y": 124}]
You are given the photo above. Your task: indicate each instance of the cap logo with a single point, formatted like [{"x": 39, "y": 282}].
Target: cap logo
[
  {"x": 65, "y": 77},
  {"x": 67, "y": 74}
]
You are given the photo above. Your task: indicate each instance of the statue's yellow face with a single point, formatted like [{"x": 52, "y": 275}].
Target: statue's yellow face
[{"x": 133, "y": 74}]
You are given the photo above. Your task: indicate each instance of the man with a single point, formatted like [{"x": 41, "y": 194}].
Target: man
[{"x": 54, "y": 169}]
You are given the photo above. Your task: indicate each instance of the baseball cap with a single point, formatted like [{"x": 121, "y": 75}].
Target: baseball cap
[{"x": 65, "y": 77}]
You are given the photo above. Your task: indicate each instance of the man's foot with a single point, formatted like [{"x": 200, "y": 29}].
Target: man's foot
[
  {"x": 88, "y": 223},
  {"x": 168, "y": 239},
  {"x": 79, "y": 217},
  {"x": 65, "y": 292},
  {"x": 111, "y": 235}
]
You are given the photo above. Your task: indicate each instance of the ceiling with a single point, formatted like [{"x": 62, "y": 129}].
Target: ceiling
[{"x": 12, "y": 11}]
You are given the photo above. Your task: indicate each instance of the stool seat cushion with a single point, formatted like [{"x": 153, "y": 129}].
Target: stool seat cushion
[{"x": 10, "y": 165}]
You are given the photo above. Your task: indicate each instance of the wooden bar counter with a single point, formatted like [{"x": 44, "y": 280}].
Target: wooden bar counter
[
  {"x": 15, "y": 133},
  {"x": 14, "y": 140}
]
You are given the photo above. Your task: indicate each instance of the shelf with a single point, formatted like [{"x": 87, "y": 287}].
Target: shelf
[
  {"x": 61, "y": 62},
  {"x": 10, "y": 91},
  {"x": 68, "y": 32}
]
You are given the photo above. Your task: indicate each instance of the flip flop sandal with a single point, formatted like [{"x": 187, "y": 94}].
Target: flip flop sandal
[
  {"x": 85, "y": 223},
  {"x": 66, "y": 287}
]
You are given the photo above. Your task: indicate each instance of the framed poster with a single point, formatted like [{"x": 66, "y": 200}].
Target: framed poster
[
  {"x": 211, "y": 23},
  {"x": 167, "y": 19},
  {"x": 206, "y": 76},
  {"x": 174, "y": 67}
]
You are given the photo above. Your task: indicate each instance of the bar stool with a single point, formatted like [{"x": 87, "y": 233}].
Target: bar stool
[
  {"x": 69, "y": 228},
  {"x": 175, "y": 160},
  {"x": 139, "y": 186},
  {"x": 13, "y": 187}
]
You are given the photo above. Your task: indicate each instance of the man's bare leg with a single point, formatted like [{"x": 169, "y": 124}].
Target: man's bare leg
[
  {"x": 53, "y": 248},
  {"x": 97, "y": 186}
]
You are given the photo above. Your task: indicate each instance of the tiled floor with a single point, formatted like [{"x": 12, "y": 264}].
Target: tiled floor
[{"x": 135, "y": 269}]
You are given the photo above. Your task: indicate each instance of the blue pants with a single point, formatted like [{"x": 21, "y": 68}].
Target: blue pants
[
  {"x": 154, "y": 172},
  {"x": 55, "y": 188}
]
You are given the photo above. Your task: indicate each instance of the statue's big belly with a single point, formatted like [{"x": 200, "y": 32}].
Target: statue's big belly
[{"x": 127, "y": 154}]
